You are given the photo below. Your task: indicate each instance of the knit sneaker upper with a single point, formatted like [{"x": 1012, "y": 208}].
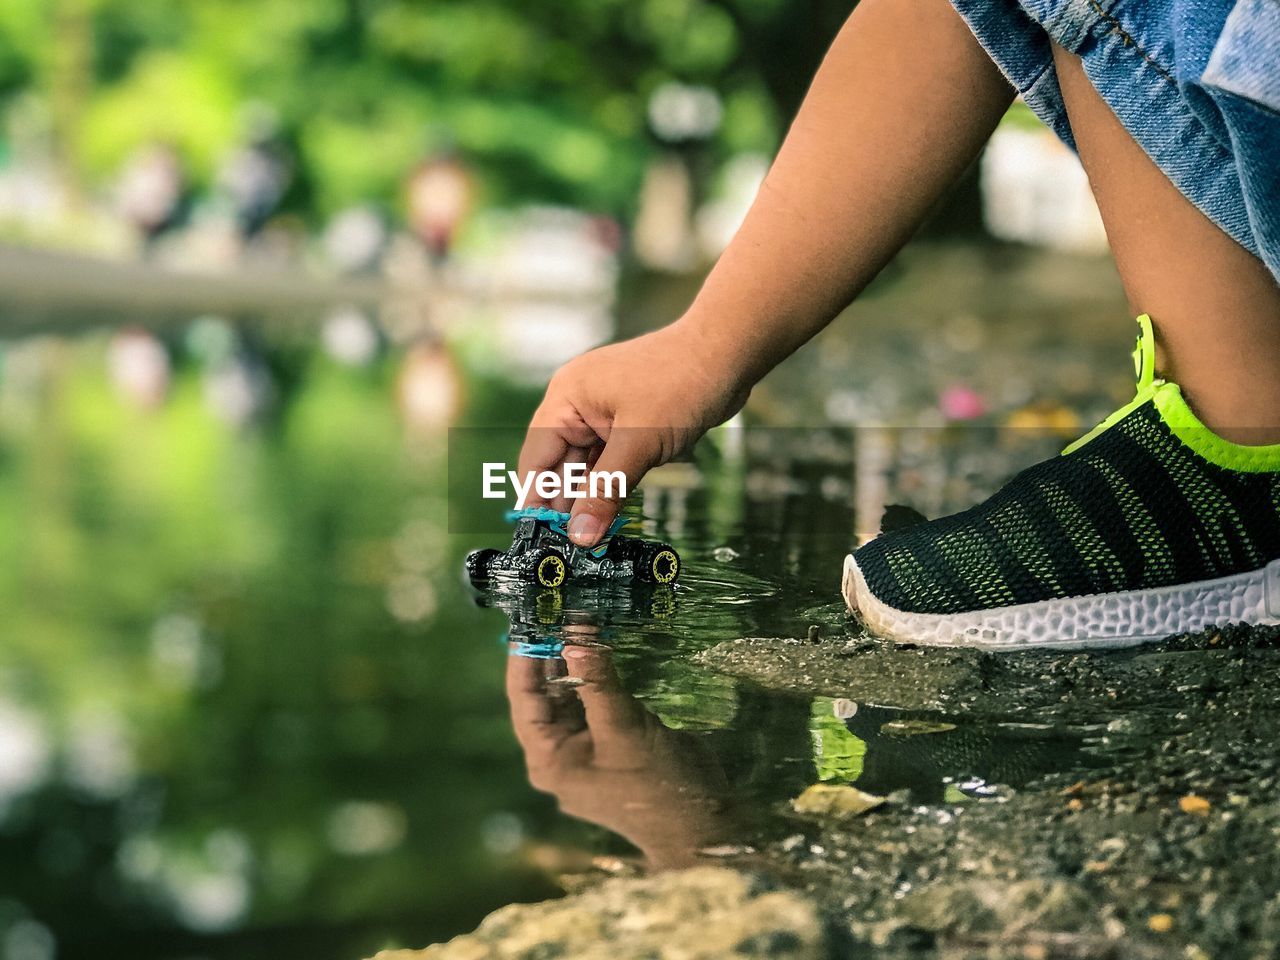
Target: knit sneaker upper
[{"x": 1149, "y": 499}]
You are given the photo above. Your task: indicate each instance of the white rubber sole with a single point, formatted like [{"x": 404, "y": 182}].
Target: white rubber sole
[{"x": 1101, "y": 620}]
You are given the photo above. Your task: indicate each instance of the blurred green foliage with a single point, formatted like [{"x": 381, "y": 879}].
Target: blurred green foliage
[
  {"x": 269, "y": 552},
  {"x": 837, "y": 753},
  {"x": 546, "y": 100}
]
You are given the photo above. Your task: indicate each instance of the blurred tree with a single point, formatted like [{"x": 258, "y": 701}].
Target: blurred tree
[
  {"x": 546, "y": 100},
  {"x": 70, "y": 72},
  {"x": 24, "y": 39},
  {"x": 785, "y": 41}
]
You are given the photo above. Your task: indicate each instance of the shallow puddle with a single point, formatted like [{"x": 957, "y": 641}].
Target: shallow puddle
[{"x": 628, "y": 732}]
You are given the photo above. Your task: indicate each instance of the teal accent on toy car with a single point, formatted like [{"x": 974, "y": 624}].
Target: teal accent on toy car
[
  {"x": 559, "y": 521},
  {"x": 548, "y": 649}
]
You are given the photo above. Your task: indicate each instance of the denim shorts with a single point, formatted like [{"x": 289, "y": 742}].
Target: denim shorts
[{"x": 1195, "y": 82}]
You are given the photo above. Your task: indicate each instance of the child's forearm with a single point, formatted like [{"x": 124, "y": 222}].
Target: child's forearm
[{"x": 901, "y": 106}]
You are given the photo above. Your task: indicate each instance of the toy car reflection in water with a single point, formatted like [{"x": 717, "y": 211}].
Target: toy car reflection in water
[{"x": 542, "y": 552}]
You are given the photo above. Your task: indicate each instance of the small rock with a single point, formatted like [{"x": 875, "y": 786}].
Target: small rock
[
  {"x": 844, "y": 709},
  {"x": 724, "y": 554},
  {"x": 898, "y": 517},
  {"x": 1129, "y": 726},
  {"x": 710, "y": 912},
  {"x": 835, "y": 800},
  {"x": 914, "y": 728},
  {"x": 1160, "y": 923},
  {"x": 613, "y": 865},
  {"x": 726, "y": 850},
  {"x": 1194, "y": 805}
]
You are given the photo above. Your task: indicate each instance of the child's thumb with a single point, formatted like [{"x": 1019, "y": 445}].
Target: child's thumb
[{"x": 627, "y": 456}]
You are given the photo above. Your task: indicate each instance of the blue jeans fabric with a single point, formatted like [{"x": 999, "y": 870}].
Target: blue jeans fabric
[{"x": 1195, "y": 82}]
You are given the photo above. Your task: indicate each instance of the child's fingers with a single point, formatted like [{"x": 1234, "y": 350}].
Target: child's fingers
[
  {"x": 543, "y": 449},
  {"x": 572, "y": 455},
  {"x": 556, "y": 436},
  {"x": 627, "y": 456},
  {"x": 615, "y": 719},
  {"x": 543, "y": 726}
]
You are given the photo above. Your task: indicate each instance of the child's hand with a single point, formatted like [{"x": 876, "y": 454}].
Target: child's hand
[
  {"x": 629, "y": 407},
  {"x": 607, "y": 759}
]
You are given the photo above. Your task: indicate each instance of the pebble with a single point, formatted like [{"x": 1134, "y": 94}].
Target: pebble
[
  {"x": 1195, "y": 805},
  {"x": 914, "y": 728},
  {"x": 793, "y": 842},
  {"x": 835, "y": 800},
  {"x": 726, "y": 850},
  {"x": 1160, "y": 923}
]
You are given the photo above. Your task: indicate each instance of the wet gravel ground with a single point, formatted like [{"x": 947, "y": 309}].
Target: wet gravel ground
[{"x": 1162, "y": 845}]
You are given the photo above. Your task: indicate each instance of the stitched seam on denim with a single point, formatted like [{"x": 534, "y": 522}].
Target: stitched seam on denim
[
  {"x": 1118, "y": 28},
  {"x": 1039, "y": 75}
]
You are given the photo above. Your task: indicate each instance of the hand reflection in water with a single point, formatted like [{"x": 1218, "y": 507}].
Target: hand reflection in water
[{"x": 608, "y": 760}]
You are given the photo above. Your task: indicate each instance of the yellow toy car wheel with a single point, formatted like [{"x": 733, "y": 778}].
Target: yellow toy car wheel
[
  {"x": 664, "y": 565},
  {"x": 548, "y": 607},
  {"x": 550, "y": 570}
]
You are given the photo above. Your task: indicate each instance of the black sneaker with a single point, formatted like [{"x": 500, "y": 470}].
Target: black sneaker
[{"x": 1150, "y": 525}]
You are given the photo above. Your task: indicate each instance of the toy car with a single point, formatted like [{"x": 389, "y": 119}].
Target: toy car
[{"x": 542, "y": 552}]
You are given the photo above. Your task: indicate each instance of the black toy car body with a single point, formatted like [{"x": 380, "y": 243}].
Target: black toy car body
[{"x": 541, "y": 552}]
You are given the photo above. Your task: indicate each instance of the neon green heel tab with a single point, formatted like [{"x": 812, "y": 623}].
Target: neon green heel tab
[
  {"x": 1143, "y": 396},
  {"x": 1186, "y": 426},
  {"x": 1144, "y": 354},
  {"x": 1175, "y": 412},
  {"x": 1144, "y": 369}
]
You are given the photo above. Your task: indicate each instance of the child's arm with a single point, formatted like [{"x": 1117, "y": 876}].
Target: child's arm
[{"x": 901, "y": 105}]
